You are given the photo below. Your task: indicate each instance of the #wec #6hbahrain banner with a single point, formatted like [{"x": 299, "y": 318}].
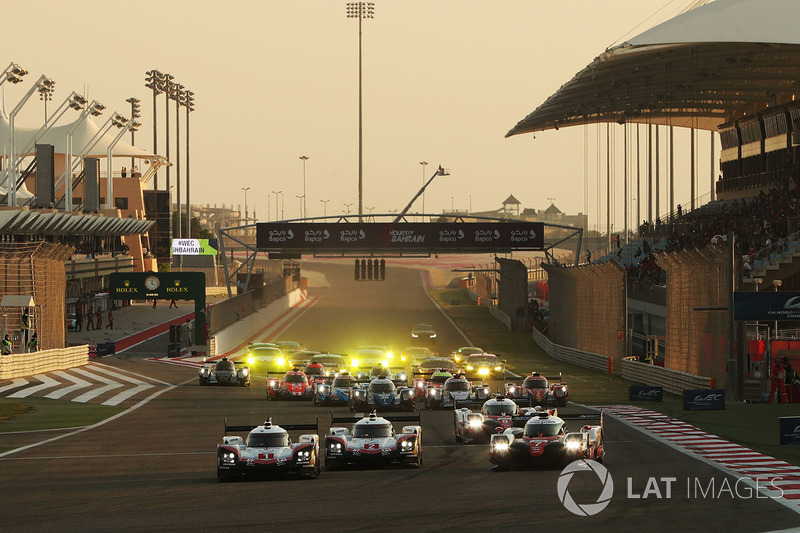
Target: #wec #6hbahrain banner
[{"x": 478, "y": 236}]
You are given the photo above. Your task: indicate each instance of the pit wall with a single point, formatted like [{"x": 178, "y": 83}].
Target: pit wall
[
  {"x": 237, "y": 334},
  {"x": 29, "y": 364}
]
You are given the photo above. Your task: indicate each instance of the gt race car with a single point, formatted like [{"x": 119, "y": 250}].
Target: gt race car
[
  {"x": 545, "y": 440},
  {"x": 381, "y": 394},
  {"x": 423, "y": 333},
  {"x": 266, "y": 450},
  {"x": 294, "y": 386},
  {"x": 496, "y": 415},
  {"x": 267, "y": 358},
  {"x": 225, "y": 372},
  {"x": 537, "y": 389},
  {"x": 456, "y": 391},
  {"x": 484, "y": 366},
  {"x": 373, "y": 441},
  {"x": 459, "y": 354}
]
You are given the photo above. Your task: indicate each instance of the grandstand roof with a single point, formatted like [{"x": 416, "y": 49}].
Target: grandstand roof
[
  {"x": 717, "y": 63},
  {"x": 20, "y": 221}
]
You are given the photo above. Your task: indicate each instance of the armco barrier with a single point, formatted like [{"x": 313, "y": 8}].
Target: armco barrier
[
  {"x": 501, "y": 316},
  {"x": 672, "y": 380},
  {"x": 28, "y": 364},
  {"x": 594, "y": 361}
]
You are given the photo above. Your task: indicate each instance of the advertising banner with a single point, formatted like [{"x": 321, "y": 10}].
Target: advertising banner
[
  {"x": 194, "y": 247},
  {"x": 704, "y": 400},
  {"x": 645, "y": 393},
  {"x": 390, "y": 237},
  {"x": 789, "y": 429},
  {"x": 766, "y": 305}
]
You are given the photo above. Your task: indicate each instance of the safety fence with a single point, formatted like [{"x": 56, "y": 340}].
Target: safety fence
[
  {"x": 29, "y": 364},
  {"x": 672, "y": 380},
  {"x": 594, "y": 361}
]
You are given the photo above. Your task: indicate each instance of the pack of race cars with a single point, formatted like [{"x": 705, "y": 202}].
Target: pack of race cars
[{"x": 518, "y": 421}]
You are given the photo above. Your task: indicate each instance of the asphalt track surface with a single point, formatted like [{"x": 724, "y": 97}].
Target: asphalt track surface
[{"x": 154, "y": 467}]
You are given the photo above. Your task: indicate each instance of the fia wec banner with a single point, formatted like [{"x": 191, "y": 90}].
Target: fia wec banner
[
  {"x": 440, "y": 236},
  {"x": 639, "y": 393},
  {"x": 789, "y": 427},
  {"x": 704, "y": 400},
  {"x": 194, "y": 247},
  {"x": 766, "y": 305}
]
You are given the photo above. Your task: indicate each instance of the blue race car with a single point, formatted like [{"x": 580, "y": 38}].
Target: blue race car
[
  {"x": 381, "y": 395},
  {"x": 337, "y": 392}
]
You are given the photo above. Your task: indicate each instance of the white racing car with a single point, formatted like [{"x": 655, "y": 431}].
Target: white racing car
[
  {"x": 268, "y": 450},
  {"x": 225, "y": 372},
  {"x": 373, "y": 441}
]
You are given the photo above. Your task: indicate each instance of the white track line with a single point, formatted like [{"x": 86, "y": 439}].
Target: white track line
[
  {"x": 113, "y": 369},
  {"x": 124, "y": 395},
  {"x": 78, "y": 384},
  {"x": 47, "y": 383},
  {"x": 19, "y": 382},
  {"x": 94, "y": 393}
]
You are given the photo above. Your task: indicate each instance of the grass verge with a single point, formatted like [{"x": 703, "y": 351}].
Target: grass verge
[
  {"x": 752, "y": 425},
  {"x": 33, "y": 414}
]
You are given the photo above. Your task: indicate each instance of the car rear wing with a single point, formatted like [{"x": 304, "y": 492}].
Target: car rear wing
[
  {"x": 354, "y": 419},
  {"x": 287, "y": 427},
  {"x": 588, "y": 417}
]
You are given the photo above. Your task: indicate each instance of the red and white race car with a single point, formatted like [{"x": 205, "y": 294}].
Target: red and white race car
[
  {"x": 537, "y": 389},
  {"x": 295, "y": 385},
  {"x": 496, "y": 415}
]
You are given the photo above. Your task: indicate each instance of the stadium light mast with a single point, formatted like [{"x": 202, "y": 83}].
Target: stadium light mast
[{"x": 360, "y": 10}]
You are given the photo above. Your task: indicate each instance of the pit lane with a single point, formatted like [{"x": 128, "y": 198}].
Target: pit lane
[{"x": 154, "y": 468}]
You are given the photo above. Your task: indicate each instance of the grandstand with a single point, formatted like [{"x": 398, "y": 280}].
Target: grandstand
[{"x": 711, "y": 68}]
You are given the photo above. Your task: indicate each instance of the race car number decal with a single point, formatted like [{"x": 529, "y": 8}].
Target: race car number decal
[
  {"x": 505, "y": 421},
  {"x": 537, "y": 447},
  {"x": 369, "y": 446}
]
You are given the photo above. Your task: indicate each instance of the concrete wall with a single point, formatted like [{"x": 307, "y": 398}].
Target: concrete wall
[{"x": 238, "y": 333}]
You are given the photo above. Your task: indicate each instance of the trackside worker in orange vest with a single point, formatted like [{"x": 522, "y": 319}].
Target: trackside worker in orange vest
[{"x": 778, "y": 374}]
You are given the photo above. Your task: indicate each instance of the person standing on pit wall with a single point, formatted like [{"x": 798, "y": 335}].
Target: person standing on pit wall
[
  {"x": 99, "y": 319},
  {"x": 110, "y": 319},
  {"x": 33, "y": 344},
  {"x": 25, "y": 324},
  {"x": 173, "y": 303},
  {"x": 778, "y": 375},
  {"x": 90, "y": 319},
  {"x": 7, "y": 346}
]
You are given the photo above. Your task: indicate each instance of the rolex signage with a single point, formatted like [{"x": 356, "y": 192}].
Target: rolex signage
[{"x": 157, "y": 285}]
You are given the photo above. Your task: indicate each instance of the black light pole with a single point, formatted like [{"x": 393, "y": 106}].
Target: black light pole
[
  {"x": 176, "y": 94},
  {"x": 167, "y": 88},
  {"x": 188, "y": 103},
  {"x": 154, "y": 81},
  {"x": 135, "y": 114}
]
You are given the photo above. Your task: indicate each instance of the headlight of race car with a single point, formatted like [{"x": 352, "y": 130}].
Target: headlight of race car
[
  {"x": 204, "y": 372},
  {"x": 475, "y": 422},
  {"x": 335, "y": 447},
  {"x": 245, "y": 371},
  {"x": 281, "y": 361},
  {"x": 573, "y": 444},
  {"x": 272, "y": 384},
  {"x": 321, "y": 388},
  {"x": 469, "y": 367},
  {"x": 414, "y": 335},
  {"x": 512, "y": 390},
  {"x": 354, "y": 363},
  {"x": 482, "y": 393},
  {"x": 483, "y": 371},
  {"x": 499, "y": 445},
  {"x": 385, "y": 363},
  {"x": 251, "y": 360},
  {"x": 303, "y": 456},
  {"x": 400, "y": 376},
  {"x": 434, "y": 392},
  {"x": 403, "y": 358},
  {"x": 433, "y": 335},
  {"x": 228, "y": 458},
  {"x": 407, "y": 446},
  {"x": 406, "y": 395},
  {"x": 498, "y": 368}
]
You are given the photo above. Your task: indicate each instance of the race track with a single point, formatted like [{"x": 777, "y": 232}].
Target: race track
[{"x": 154, "y": 467}]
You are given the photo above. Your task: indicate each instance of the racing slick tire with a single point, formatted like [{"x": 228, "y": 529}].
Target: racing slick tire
[
  {"x": 203, "y": 381},
  {"x": 314, "y": 473}
]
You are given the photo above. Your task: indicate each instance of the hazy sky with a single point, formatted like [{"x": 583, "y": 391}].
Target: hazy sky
[{"x": 443, "y": 81}]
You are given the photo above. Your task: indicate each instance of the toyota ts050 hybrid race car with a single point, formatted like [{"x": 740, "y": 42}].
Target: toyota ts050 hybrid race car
[
  {"x": 544, "y": 440},
  {"x": 456, "y": 391},
  {"x": 496, "y": 415},
  {"x": 537, "y": 389},
  {"x": 225, "y": 372},
  {"x": 373, "y": 441},
  {"x": 381, "y": 394},
  {"x": 268, "y": 450},
  {"x": 294, "y": 386}
]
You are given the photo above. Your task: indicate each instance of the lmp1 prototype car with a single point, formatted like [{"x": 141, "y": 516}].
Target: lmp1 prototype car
[
  {"x": 434, "y": 380},
  {"x": 225, "y": 372},
  {"x": 537, "y": 389},
  {"x": 381, "y": 394},
  {"x": 497, "y": 414},
  {"x": 268, "y": 450},
  {"x": 294, "y": 386},
  {"x": 544, "y": 440},
  {"x": 337, "y": 392},
  {"x": 373, "y": 441},
  {"x": 456, "y": 391}
]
